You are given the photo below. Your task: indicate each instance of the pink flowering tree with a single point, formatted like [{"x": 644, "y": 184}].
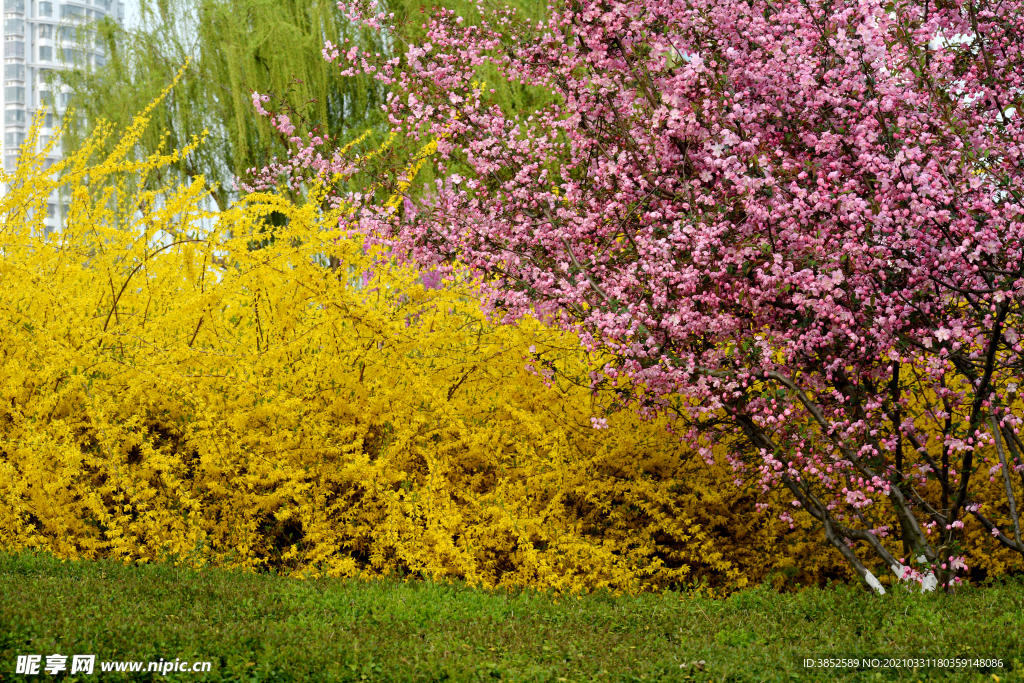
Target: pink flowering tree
[{"x": 797, "y": 224}]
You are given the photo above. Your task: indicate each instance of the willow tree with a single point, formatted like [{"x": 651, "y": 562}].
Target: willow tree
[
  {"x": 231, "y": 48},
  {"x": 236, "y": 47}
]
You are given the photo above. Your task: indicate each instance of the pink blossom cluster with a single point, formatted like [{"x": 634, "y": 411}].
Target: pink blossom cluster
[{"x": 314, "y": 157}]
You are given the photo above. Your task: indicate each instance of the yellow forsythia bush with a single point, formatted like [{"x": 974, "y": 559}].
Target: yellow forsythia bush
[{"x": 167, "y": 391}]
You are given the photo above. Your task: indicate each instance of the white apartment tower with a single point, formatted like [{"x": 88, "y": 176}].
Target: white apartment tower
[{"x": 41, "y": 35}]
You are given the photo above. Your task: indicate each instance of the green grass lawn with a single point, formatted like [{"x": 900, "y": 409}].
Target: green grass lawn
[{"x": 260, "y": 627}]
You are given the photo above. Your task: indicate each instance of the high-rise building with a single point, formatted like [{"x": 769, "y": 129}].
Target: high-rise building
[{"x": 39, "y": 36}]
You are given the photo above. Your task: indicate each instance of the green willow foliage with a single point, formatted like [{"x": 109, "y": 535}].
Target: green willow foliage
[
  {"x": 231, "y": 48},
  {"x": 235, "y": 47}
]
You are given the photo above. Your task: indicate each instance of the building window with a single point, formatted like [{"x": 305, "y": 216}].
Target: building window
[
  {"x": 71, "y": 11},
  {"x": 45, "y": 53},
  {"x": 14, "y": 49},
  {"x": 12, "y": 140},
  {"x": 14, "y": 26},
  {"x": 46, "y": 31},
  {"x": 46, "y": 9},
  {"x": 14, "y": 6},
  {"x": 51, "y": 210},
  {"x": 14, "y": 72},
  {"x": 14, "y": 93},
  {"x": 11, "y": 163},
  {"x": 14, "y": 117},
  {"x": 69, "y": 55}
]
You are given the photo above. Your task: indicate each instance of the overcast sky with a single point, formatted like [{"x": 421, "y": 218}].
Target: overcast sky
[{"x": 131, "y": 13}]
